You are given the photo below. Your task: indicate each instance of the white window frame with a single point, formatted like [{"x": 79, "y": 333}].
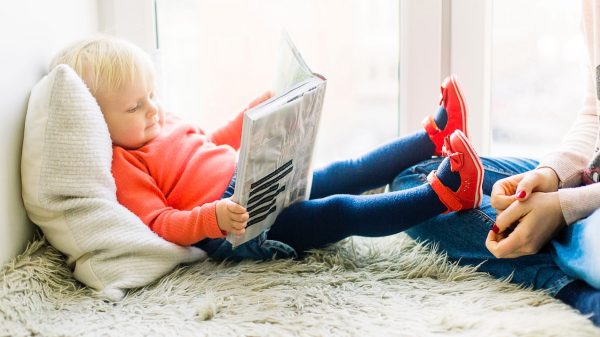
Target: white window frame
[
  {"x": 437, "y": 38},
  {"x": 471, "y": 59},
  {"x": 134, "y": 20},
  {"x": 422, "y": 46}
]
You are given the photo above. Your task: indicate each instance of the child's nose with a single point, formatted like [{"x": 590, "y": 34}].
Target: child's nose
[{"x": 152, "y": 109}]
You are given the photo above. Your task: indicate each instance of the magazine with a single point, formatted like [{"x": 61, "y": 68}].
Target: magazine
[{"x": 278, "y": 139}]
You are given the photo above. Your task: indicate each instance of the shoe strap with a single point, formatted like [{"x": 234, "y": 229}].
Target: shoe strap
[
  {"x": 434, "y": 133},
  {"x": 446, "y": 195}
]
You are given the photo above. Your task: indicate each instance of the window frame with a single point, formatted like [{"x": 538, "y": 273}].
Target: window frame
[
  {"x": 440, "y": 38},
  {"x": 116, "y": 18},
  {"x": 437, "y": 38}
]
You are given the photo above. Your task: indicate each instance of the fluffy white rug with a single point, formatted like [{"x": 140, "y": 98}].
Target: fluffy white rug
[{"x": 363, "y": 287}]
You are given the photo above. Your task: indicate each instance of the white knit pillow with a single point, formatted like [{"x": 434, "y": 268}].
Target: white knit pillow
[{"x": 69, "y": 191}]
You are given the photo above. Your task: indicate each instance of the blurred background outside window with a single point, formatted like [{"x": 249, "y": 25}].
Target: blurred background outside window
[
  {"x": 219, "y": 55},
  {"x": 538, "y": 74}
]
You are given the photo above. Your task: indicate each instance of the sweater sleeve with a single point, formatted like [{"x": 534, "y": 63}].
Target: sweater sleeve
[
  {"x": 137, "y": 191},
  {"x": 231, "y": 133},
  {"x": 579, "y": 202},
  {"x": 578, "y": 146}
]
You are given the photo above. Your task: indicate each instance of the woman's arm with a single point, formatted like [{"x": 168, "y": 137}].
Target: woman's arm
[
  {"x": 533, "y": 201},
  {"x": 578, "y": 146}
]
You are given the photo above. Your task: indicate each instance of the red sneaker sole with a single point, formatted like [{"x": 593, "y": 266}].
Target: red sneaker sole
[
  {"x": 478, "y": 166},
  {"x": 461, "y": 101}
]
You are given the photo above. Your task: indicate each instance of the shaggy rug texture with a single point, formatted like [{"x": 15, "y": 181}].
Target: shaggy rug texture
[{"x": 360, "y": 287}]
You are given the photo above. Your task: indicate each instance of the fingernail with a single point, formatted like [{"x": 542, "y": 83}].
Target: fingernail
[
  {"x": 521, "y": 195},
  {"x": 495, "y": 229}
]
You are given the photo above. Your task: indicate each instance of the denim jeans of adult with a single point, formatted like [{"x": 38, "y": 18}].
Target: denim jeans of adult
[{"x": 461, "y": 235}]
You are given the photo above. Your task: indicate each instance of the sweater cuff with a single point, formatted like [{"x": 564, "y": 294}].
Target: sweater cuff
[
  {"x": 568, "y": 167},
  {"x": 580, "y": 202},
  {"x": 209, "y": 217}
]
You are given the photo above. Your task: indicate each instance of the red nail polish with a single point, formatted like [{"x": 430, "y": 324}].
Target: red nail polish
[
  {"x": 495, "y": 229},
  {"x": 521, "y": 195}
]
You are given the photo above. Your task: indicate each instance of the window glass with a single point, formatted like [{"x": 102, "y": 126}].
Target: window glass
[
  {"x": 219, "y": 55},
  {"x": 538, "y": 74}
]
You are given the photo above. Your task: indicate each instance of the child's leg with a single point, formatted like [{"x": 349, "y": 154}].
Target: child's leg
[
  {"x": 376, "y": 168},
  {"x": 318, "y": 222},
  {"x": 380, "y": 166}
]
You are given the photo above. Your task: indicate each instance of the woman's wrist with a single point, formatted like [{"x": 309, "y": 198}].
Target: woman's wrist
[{"x": 550, "y": 177}]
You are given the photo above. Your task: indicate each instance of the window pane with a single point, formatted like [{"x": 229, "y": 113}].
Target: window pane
[
  {"x": 218, "y": 55},
  {"x": 538, "y": 81}
]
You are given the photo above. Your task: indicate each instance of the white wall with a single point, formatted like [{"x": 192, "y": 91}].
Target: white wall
[{"x": 31, "y": 32}]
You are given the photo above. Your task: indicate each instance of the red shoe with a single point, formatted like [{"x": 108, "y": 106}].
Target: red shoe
[
  {"x": 456, "y": 110},
  {"x": 464, "y": 160}
]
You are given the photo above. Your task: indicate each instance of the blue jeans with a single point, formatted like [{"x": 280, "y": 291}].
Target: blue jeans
[
  {"x": 337, "y": 209},
  {"x": 259, "y": 249},
  {"x": 462, "y": 235}
]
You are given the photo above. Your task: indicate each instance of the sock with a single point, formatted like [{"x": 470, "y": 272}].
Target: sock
[
  {"x": 441, "y": 118},
  {"x": 582, "y": 297},
  {"x": 447, "y": 177}
]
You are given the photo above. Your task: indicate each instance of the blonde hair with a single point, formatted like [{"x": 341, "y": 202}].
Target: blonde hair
[{"x": 106, "y": 63}]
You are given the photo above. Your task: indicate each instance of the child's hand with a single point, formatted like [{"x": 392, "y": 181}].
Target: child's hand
[
  {"x": 231, "y": 217},
  {"x": 265, "y": 96}
]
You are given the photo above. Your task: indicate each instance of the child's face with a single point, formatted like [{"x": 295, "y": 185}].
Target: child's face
[{"x": 133, "y": 114}]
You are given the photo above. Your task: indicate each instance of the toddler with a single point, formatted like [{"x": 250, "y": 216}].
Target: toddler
[{"x": 178, "y": 179}]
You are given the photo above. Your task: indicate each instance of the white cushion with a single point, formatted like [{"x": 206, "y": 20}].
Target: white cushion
[{"x": 70, "y": 193}]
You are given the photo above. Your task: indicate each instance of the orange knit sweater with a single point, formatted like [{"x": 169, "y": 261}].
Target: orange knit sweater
[{"x": 173, "y": 182}]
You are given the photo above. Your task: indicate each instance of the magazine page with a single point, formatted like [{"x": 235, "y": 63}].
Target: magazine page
[
  {"x": 276, "y": 169},
  {"x": 278, "y": 138},
  {"x": 291, "y": 68}
]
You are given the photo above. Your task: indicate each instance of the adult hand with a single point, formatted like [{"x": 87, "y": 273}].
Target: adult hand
[
  {"x": 519, "y": 187},
  {"x": 538, "y": 219},
  {"x": 231, "y": 217},
  {"x": 503, "y": 192},
  {"x": 543, "y": 179}
]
